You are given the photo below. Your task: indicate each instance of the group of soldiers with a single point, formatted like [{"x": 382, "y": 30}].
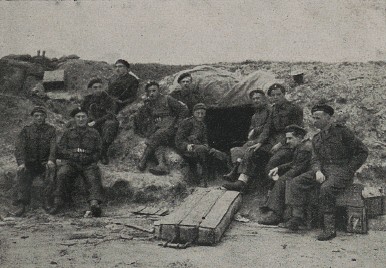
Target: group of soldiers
[{"x": 276, "y": 148}]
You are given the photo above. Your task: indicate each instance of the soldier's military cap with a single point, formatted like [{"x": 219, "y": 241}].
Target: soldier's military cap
[
  {"x": 182, "y": 76},
  {"x": 298, "y": 131},
  {"x": 127, "y": 65},
  {"x": 77, "y": 110},
  {"x": 151, "y": 83},
  {"x": 94, "y": 81},
  {"x": 274, "y": 87},
  {"x": 324, "y": 108},
  {"x": 199, "y": 106},
  {"x": 255, "y": 91},
  {"x": 39, "y": 109}
]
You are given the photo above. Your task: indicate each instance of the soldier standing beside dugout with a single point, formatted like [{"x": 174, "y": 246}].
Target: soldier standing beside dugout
[
  {"x": 337, "y": 154},
  {"x": 35, "y": 154},
  {"x": 101, "y": 112},
  {"x": 124, "y": 87},
  {"x": 80, "y": 148},
  {"x": 166, "y": 113},
  {"x": 253, "y": 156},
  {"x": 192, "y": 141}
]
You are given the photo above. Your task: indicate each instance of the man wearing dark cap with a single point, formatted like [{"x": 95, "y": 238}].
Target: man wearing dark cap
[
  {"x": 187, "y": 93},
  {"x": 284, "y": 173},
  {"x": 192, "y": 141},
  {"x": 165, "y": 113},
  {"x": 283, "y": 114},
  {"x": 35, "y": 155},
  {"x": 80, "y": 148},
  {"x": 123, "y": 87},
  {"x": 250, "y": 160},
  {"x": 101, "y": 113},
  {"x": 337, "y": 154}
]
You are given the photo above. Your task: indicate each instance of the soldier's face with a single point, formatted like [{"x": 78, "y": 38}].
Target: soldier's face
[
  {"x": 258, "y": 100},
  {"x": 121, "y": 69},
  {"x": 81, "y": 119},
  {"x": 96, "y": 87},
  {"x": 277, "y": 96},
  {"x": 153, "y": 92},
  {"x": 199, "y": 114},
  {"x": 186, "y": 83},
  {"x": 39, "y": 118},
  {"x": 321, "y": 119},
  {"x": 292, "y": 140}
]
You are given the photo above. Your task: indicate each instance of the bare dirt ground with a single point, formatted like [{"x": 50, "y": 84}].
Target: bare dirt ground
[{"x": 70, "y": 240}]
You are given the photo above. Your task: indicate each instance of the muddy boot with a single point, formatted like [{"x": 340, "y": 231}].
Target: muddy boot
[
  {"x": 145, "y": 156},
  {"x": 238, "y": 186},
  {"x": 19, "y": 211},
  {"x": 204, "y": 175},
  {"x": 270, "y": 219},
  {"x": 232, "y": 175},
  {"x": 329, "y": 231},
  {"x": 162, "y": 168},
  {"x": 58, "y": 203},
  {"x": 95, "y": 208},
  {"x": 296, "y": 219}
]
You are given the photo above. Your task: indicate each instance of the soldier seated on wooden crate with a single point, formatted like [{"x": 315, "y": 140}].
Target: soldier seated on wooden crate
[
  {"x": 35, "y": 155},
  {"x": 80, "y": 149},
  {"x": 337, "y": 154},
  {"x": 192, "y": 141},
  {"x": 285, "y": 173}
]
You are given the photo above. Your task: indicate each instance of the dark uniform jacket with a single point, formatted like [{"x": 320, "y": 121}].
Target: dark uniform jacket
[
  {"x": 189, "y": 97},
  {"x": 300, "y": 163},
  {"x": 338, "y": 145},
  {"x": 76, "y": 138},
  {"x": 282, "y": 116},
  {"x": 191, "y": 131},
  {"x": 100, "y": 107},
  {"x": 166, "y": 112},
  {"x": 36, "y": 144},
  {"x": 123, "y": 88},
  {"x": 259, "y": 123}
]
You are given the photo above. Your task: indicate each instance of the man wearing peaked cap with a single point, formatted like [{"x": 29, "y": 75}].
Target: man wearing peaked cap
[
  {"x": 337, "y": 154},
  {"x": 283, "y": 174},
  {"x": 35, "y": 155}
]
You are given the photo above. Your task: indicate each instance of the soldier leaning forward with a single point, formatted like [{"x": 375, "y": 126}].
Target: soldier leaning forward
[
  {"x": 283, "y": 114},
  {"x": 80, "y": 149},
  {"x": 35, "y": 154},
  {"x": 283, "y": 174},
  {"x": 192, "y": 141},
  {"x": 166, "y": 113},
  {"x": 250, "y": 159}
]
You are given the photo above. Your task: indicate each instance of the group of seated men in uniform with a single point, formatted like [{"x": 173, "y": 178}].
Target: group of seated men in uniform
[{"x": 276, "y": 148}]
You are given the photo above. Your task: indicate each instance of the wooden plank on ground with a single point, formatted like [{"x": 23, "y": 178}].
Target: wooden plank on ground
[
  {"x": 139, "y": 209},
  {"x": 149, "y": 211},
  {"x": 188, "y": 228},
  {"x": 169, "y": 224},
  {"x": 218, "y": 219}
]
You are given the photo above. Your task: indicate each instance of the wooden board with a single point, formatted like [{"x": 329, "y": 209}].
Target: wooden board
[
  {"x": 168, "y": 226},
  {"x": 218, "y": 219},
  {"x": 188, "y": 228}
]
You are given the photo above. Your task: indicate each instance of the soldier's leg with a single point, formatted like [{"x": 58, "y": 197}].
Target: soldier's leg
[
  {"x": 49, "y": 187},
  {"x": 93, "y": 179},
  {"x": 237, "y": 154},
  {"x": 109, "y": 131},
  {"x": 282, "y": 156},
  {"x": 202, "y": 154},
  {"x": 275, "y": 204},
  {"x": 162, "y": 167},
  {"x": 24, "y": 184}
]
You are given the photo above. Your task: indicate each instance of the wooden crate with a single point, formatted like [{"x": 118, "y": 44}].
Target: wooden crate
[{"x": 202, "y": 218}]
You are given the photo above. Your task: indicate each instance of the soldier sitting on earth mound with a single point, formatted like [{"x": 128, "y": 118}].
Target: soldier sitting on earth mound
[{"x": 191, "y": 140}]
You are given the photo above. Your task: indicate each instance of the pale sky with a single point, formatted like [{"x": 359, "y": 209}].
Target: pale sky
[{"x": 197, "y": 31}]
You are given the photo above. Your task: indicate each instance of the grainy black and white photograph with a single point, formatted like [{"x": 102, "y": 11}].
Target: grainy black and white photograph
[{"x": 193, "y": 133}]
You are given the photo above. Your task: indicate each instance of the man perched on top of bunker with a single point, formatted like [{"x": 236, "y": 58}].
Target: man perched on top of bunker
[
  {"x": 187, "y": 94},
  {"x": 123, "y": 88},
  {"x": 165, "y": 113},
  {"x": 250, "y": 160}
]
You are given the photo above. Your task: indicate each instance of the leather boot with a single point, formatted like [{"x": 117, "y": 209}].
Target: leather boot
[
  {"x": 95, "y": 208},
  {"x": 58, "y": 203},
  {"x": 238, "y": 186},
  {"x": 19, "y": 211},
  {"x": 162, "y": 168},
  {"x": 145, "y": 156},
  {"x": 329, "y": 230},
  {"x": 270, "y": 219},
  {"x": 232, "y": 175},
  {"x": 296, "y": 219}
]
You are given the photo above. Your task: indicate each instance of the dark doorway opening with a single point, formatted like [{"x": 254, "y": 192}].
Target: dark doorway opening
[{"x": 228, "y": 127}]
